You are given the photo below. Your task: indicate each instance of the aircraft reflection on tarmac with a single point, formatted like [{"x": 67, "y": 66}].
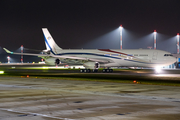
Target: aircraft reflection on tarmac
[{"x": 166, "y": 75}]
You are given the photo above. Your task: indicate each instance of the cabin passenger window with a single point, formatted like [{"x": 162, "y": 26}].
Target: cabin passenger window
[
  {"x": 114, "y": 54},
  {"x": 168, "y": 55},
  {"x": 143, "y": 55}
]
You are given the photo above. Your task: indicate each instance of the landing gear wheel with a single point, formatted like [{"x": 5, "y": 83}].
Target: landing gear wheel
[
  {"x": 85, "y": 70},
  {"x": 110, "y": 70},
  {"x": 104, "y": 70},
  {"x": 107, "y": 70},
  {"x": 82, "y": 70},
  {"x": 88, "y": 70}
]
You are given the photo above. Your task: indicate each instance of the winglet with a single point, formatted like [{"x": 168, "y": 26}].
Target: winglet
[{"x": 8, "y": 51}]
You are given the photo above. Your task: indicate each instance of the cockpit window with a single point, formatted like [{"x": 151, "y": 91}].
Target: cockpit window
[{"x": 168, "y": 55}]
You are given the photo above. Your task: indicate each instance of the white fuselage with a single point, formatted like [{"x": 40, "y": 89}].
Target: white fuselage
[
  {"x": 95, "y": 58},
  {"x": 126, "y": 57}
]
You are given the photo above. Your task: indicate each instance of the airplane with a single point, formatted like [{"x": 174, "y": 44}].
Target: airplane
[{"x": 93, "y": 59}]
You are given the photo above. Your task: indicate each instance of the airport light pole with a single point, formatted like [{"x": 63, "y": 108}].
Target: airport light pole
[
  {"x": 42, "y": 58},
  {"x": 21, "y": 52},
  {"x": 8, "y": 59},
  {"x": 177, "y": 43},
  {"x": 155, "y": 39},
  {"x": 120, "y": 28}
]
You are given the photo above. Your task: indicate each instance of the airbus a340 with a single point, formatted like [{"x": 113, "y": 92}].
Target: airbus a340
[{"x": 105, "y": 58}]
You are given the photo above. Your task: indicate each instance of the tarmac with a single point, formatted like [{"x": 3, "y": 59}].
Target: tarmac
[{"x": 55, "y": 99}]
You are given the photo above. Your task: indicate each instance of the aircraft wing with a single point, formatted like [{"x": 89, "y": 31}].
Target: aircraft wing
[
  {"x": 61, "y": 56},
  {"x": 31, "y": 54}
]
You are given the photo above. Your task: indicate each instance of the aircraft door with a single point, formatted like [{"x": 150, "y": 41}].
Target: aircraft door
[{"x": 154, "y": 57}]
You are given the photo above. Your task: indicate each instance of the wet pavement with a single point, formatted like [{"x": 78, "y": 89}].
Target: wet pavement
[{"x": 51, "y": 99}]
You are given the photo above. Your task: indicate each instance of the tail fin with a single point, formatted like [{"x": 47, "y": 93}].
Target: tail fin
[{"x": 49, "y": 41}]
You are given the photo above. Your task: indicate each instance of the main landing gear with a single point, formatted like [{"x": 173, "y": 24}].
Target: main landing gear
[
  {"x": 88, "y": 70},
  {"x": 85, "y": 70},
  {"x": 107, "y": 70},
  {"x": 96, "y": 70}
]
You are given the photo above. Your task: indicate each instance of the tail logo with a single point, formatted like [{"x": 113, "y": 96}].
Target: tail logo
[{"x": 48, "y": 38}]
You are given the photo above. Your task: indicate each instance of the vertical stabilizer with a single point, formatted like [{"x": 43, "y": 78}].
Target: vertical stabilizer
[{"x": 49, "y": 41}]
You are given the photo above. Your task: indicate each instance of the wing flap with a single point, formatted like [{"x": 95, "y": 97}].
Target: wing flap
[{"x": 31, "y": 54}]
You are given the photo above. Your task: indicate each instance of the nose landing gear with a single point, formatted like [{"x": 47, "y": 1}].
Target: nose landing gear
[{"x": 96, "y": 70}]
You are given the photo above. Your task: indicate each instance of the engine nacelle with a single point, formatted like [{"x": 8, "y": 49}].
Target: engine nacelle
[
  {"x": 91, "y": 65},
  {"x": 46, "y": 52},
  {"x": 57, "y": 61}
]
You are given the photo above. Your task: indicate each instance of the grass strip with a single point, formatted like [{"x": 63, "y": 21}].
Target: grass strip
[{"x": 135, "y": 79}]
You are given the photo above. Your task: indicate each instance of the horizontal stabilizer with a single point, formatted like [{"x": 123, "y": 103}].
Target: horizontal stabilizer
[
  {"x": 39, "y": 55},
  {"x": 7, "y": 51}
]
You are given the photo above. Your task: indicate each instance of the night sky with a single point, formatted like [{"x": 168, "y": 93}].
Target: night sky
[{"x": 89, "y": 23}]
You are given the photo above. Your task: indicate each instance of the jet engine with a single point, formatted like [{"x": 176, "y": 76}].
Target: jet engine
[
  {"x": 91, "y": 65},
  {"x": 57, "y": 61}
]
